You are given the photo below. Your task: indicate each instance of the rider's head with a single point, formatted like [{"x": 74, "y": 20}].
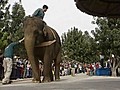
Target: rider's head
[{"x": 45, "y": 7}]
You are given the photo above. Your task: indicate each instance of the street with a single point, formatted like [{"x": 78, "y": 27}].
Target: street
[{"x": 79, "y": 82}]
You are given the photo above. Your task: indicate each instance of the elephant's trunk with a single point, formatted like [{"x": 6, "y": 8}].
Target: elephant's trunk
[{"x": 29, "y": 45}]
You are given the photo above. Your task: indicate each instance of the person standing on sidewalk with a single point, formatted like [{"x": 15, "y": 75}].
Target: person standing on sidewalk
[{"x": 7, "y": 62}]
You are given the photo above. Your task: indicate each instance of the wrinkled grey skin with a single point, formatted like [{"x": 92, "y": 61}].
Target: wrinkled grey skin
[{"x": 34, "y": 35}]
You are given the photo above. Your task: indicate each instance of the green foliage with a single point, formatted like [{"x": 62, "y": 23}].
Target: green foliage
[
  {"x": 4, "y": 23},
  {"x": 18, "y": 14},
  {"x": 79, "y": 46},
  {"x": 17, "y": 17},
  {"x": 11, "y": 24},
  {"x": 108, "y": 35}
]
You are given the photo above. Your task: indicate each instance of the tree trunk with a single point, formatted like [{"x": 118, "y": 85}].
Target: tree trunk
[
  {"x": 114, "y": 74},
  {"x": 114, "y": 67}
]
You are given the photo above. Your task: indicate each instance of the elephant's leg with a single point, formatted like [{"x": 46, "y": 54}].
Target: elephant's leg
[
  {"x": 47, "y": 68},
  {"x": 36, "y": 71},
  {"x": 57, "y": 66}
]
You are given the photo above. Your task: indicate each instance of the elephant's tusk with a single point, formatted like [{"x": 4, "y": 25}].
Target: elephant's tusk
[{"x": 45, "y": 43}]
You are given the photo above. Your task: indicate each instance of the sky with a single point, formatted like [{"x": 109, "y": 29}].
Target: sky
[{"x": 62, "y": 15}]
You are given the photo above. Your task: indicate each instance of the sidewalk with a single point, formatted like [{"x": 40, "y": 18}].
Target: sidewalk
[
  {"x": 64, "y": 79},
  {"x": 67, "y": 78}
]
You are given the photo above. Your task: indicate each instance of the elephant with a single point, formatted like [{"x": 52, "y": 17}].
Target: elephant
[{"x": 42, "y": 43}]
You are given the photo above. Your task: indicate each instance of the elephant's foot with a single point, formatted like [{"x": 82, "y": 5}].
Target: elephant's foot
[
  {"x": 45, "y": 80},
  {"x": 52, "y": 79},
  {"x": 36, "y": 81},
  {"x": 58, "y": 79}
]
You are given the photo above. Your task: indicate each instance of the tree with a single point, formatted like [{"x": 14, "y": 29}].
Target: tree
[
  {"x": 70, "y": 43},
  {"x": 4, "y": 22},
  {"x": 108, "y": 37},
  {"x": 77, "y": 45},
  {"x": 16, "y": 33},
  {"x": 12, "y": 24},
  {"x": 18, "y": 14}
]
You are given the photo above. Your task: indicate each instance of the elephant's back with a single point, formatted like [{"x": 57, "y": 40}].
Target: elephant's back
[{"x": 52, "y": 34}]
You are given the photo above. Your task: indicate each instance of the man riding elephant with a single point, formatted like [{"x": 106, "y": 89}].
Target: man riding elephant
[{"x": 40, "y": 12}]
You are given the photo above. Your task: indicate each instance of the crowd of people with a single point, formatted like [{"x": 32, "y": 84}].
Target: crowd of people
[
  {"x": 22, "y": 68},
  {"x": 74, "y": 67}
]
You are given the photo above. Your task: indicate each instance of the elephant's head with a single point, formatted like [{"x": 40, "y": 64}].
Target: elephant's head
[{"x": 32, "y": 26}]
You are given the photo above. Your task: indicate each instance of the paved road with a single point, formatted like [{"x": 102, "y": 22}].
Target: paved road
[{"x": 79, "y": 82}]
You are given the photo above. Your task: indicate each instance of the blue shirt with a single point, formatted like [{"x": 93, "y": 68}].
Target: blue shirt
[
  {"x": 9, "y": 50},
  {"x": 39, "y": 13}
]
